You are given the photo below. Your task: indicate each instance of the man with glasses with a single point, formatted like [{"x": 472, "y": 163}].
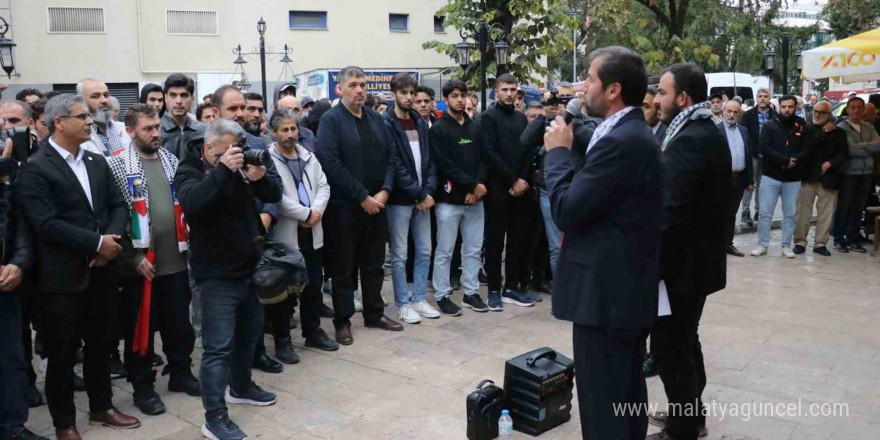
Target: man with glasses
[
  {"x": 821, "y": 180},
  {"x": 79, "y": 216}
]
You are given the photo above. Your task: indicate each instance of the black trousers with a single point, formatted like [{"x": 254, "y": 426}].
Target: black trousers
[
  {"x": 91, "y": 316},
  {"x": 735, "y": 201},
  {"x": 513, "y": 218},
  {"x": 675, "y": 344},
  {"x": 354, "y": 238},
  {"x": 538, "y": 252},
  {"x": 608, "y": 369},
  {"x": 851, "y": 199},
  {"x": 312, "y": 298},
  {"x": 169, "y": 314}
]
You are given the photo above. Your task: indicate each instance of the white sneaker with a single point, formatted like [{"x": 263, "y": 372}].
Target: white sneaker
[
  {"x": 407, "y": 314},
  {"x": 358, "y": 304},
  {"x": 425, "y": 310},
  {"x": 787, "y": 252},
  {"x": 760, "y": 250}
]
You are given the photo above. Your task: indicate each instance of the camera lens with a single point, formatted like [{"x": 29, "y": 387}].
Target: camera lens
[{"x": 256, "y": 157}]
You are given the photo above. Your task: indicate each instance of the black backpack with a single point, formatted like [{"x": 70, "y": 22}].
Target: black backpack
[
  {"x": 483, "y": 411},
  {"x": 281, "y": 271}
]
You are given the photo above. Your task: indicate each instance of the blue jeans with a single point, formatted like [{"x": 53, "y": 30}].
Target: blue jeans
[
  {"x": 554, "y": 235},
  {"x": 232, "y": 321},
  {"x": 400, "y": 219},
  {"x": 450, "y": 219},
  {"x": 13, "y": 369},
  {"x": 770, "y": 191}
]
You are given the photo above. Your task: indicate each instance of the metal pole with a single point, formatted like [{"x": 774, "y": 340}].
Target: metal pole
[
  {"x": 785, "y": 47},
  {"x": 263, "y": 69},
  {"x": 483, "y": 37},
  {"x": 574, "y": 62}
]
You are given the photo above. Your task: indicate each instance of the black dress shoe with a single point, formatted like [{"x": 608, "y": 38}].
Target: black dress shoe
[
  {"x": 117, "y": 370},
  {"x": 385, "y": 323},
  {"x": 321, "y": 341},
  {"x": 147, "y": 400},
  {"x": 79, "y": 384},
  {"x": 183, "y": 381},
  {"x": 285, "y": 352},
  {"x": 732, "y": 250},
  {"x": 26, "y": 434},
  {"x": 157, "y": 360},
  {"x": 267, "y": 364},
  {"x": 326, "y": 312},
  {"x": 798, "y": 249},
  {"x": 34, "y": 397},
  {"x": 343, "y": 335},
  {"x": 822, "y": 250}
]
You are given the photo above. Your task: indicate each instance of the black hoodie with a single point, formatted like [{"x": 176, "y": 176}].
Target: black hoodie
[
  {"x": 507, "y": 159},
  {"x": 458, "y": 154},
  {"x": 219, "y": 209}
]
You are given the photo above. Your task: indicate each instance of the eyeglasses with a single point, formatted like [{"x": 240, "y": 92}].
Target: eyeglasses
[{"x": 82, "y": 116}]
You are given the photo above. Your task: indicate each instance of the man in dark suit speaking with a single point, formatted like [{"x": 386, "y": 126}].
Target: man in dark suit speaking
[
  {"x": 78, "y": 215},
  {"x": 609, "y": 212}
]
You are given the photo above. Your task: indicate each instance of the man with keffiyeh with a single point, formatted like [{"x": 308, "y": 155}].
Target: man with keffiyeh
[
  {"x": 144, "y": 173},
  {"x": 693, "y": 260}
]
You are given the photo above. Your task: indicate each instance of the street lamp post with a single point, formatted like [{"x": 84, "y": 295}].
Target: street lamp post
[
  {"x": 7, "y": 57},
  {"x": 480, "y": 29},
  {"x": 261, "y": 28},
  {"x": 785, "y": 43},
  {"x": 262, "y": 52}
]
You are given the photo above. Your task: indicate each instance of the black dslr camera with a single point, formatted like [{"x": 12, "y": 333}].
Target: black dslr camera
[
  {"x": 555, "y": 99},
  {"x": 259, "y": 158}
]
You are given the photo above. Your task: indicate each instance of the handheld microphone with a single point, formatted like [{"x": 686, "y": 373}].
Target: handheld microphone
[{"x": 572, "y": 110}]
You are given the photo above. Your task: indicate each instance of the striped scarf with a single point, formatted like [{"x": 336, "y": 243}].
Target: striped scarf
[
  {"x": 692, "y": 113},
  {"x": 128, "y": 172}
]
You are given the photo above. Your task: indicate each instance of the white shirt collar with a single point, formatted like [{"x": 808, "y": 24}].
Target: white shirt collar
[{"x": 66, "y": 154}]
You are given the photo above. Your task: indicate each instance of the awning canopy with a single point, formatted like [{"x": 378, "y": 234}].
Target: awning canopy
[{"x": 851, "y": 59}]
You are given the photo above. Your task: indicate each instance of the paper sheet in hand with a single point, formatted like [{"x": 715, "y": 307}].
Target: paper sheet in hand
[{"x": 663, "y": 308}]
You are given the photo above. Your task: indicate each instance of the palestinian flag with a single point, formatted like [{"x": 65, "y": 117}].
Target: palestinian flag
[{"x": 140, "y": 215}]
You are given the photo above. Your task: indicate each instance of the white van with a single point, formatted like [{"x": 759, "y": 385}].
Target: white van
[{"x": 736, "y": 84}]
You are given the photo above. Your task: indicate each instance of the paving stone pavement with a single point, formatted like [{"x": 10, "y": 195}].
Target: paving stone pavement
[{"x": 783, "y": 332}]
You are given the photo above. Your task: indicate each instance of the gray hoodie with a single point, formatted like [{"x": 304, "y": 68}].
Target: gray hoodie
[{"x": 277, "y": 92}]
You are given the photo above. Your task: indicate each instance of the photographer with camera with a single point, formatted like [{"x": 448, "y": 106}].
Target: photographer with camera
[
  {"x": 17, "y": 375},
  {"x": 230, "y": 104},
  {"x": 216, "y": 190},
  {"x": 555, "y": 103}
]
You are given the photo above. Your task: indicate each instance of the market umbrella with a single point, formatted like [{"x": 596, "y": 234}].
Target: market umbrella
[{"x": 852, "y": 59}]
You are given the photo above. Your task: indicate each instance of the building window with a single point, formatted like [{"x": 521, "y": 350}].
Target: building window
[
  {"x": 69, "y": 20},
  {"x": 439, "y": 24},
  {"x": 191, "y": 22},
  {"x": 308, "y": 19},
  {"x": 398, "y": 22}
]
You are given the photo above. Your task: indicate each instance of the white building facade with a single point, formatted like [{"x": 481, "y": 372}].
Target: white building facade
[{"x": 128, "y": 43}]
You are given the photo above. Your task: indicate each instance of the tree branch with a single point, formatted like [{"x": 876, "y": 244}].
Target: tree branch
[{"x": 661, "y": 17}]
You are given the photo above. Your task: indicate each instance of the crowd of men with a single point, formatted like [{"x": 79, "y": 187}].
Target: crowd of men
[{"x": 118, "y": 230}]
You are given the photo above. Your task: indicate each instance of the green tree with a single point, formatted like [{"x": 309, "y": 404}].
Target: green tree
[
  {"x": 850, "y": 17},
  {"x": 533, "y": 29}
]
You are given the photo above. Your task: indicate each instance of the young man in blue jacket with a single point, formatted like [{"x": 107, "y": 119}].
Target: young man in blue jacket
[{"x": 409, "y": 207}]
